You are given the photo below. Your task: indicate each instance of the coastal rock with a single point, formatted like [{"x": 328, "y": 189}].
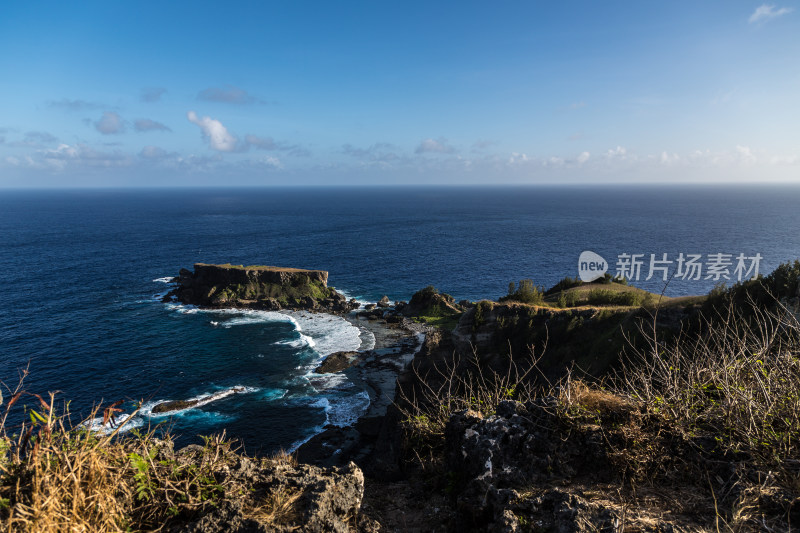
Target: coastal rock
[
  {"x": 520, "y": 447},
  {"x": 384, "y": 302},
  {"x": 177, "y": 405},
  {"x": 338, "y": 361},
  {"x": 321, "y": 500},
  {"x": 430, "y": 302}
]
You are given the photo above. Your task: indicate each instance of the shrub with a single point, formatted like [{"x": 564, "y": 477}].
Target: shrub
[
  {"x": 568, "y": 299},
  {"x": 737, "y": 383},
  {"x": 527, "y": 293},
  {"x": 610, "y": 297},
  {"x": 564, "y": 284}
]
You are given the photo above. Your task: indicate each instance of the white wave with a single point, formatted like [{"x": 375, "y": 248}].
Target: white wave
[
  {"x": 322, "y": 382},
  {"x": 127, "y": 422},
  {"x": 167, "y": 279},
  {"x": 367, "y": 340},
  {"x": 303, "y": 342},
  {"x": 324, "y": 333},
  {"x": 202, "y": 399},
  {"x": 420, "y": 341},
  {"x": 345, "y": 411},
  {"x": 182, "y": 308},
  {"x": 316, "y": 430},
  {"x": 272, "y": 395},
  {"x": 342, "y": 411},
  {"x": 330, "y": 333},
  {"x": 357, "y": 299}
]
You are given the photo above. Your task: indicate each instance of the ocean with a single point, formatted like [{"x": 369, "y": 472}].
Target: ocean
[{"x": 83, "y": 272}]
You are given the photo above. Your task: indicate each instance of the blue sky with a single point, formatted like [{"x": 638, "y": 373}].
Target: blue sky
[{"x": 301, "y": 93}]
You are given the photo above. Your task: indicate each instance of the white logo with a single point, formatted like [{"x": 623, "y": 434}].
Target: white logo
[{"x": 591, "y": 266}]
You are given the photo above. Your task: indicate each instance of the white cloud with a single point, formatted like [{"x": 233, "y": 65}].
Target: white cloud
[
  {"x": 617, "y": 153},
  {"x": 765, "y": 13},
  {"x": 439, "y": 146},
  {"x": 110, "y": 123},
  {"x": 584, "y": 157},
  {"x": 667, "y": 159},
  {"x": 745, "y": 154},
  {"x": 214, "y": 132},
  {"x": 517, "y": 158},
  {"x": 270, "y": 161}
]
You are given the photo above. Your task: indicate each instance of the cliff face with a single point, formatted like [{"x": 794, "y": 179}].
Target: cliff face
[{"x": 258, "y": 287}]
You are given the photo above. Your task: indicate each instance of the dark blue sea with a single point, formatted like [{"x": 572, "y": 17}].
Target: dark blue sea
[{"x": 81, "y": 274}]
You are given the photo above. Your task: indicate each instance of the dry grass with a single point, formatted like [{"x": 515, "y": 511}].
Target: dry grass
[
  {"x": 737, "y": 381},
  {"x": 576, "y": 395},
  {"x": 720, "y": 412},
  {"x": 278, "y": 507},
  {"x": 58, "y": 476}
]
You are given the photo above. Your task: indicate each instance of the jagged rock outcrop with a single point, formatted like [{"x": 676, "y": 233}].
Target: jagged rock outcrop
[
  {"x": 177, "y": 405},
  {"x": 258, "y": 287},
  {"x": 288, "y": 497},
  {"x": 430, "y": 302},
  {"x": 338, "y": 361},
  {"x": 516, "y": 467}
]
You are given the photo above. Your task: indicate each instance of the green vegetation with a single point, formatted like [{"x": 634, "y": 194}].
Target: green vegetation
[
  {"x": 526, "y": 293},
  {"x": 303, "y": 287},
  {"x": 781, "y": 283},
  {"x": 626, "y": 298},
  {"x": 482, "y": 308},
  {"x": 566, "y": 283},
  {"x": 446, "y": 322},
  {"x": 568, "y": 299}
]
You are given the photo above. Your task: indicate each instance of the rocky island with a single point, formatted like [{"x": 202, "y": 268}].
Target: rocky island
[{"x": 258, "y": 287}]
